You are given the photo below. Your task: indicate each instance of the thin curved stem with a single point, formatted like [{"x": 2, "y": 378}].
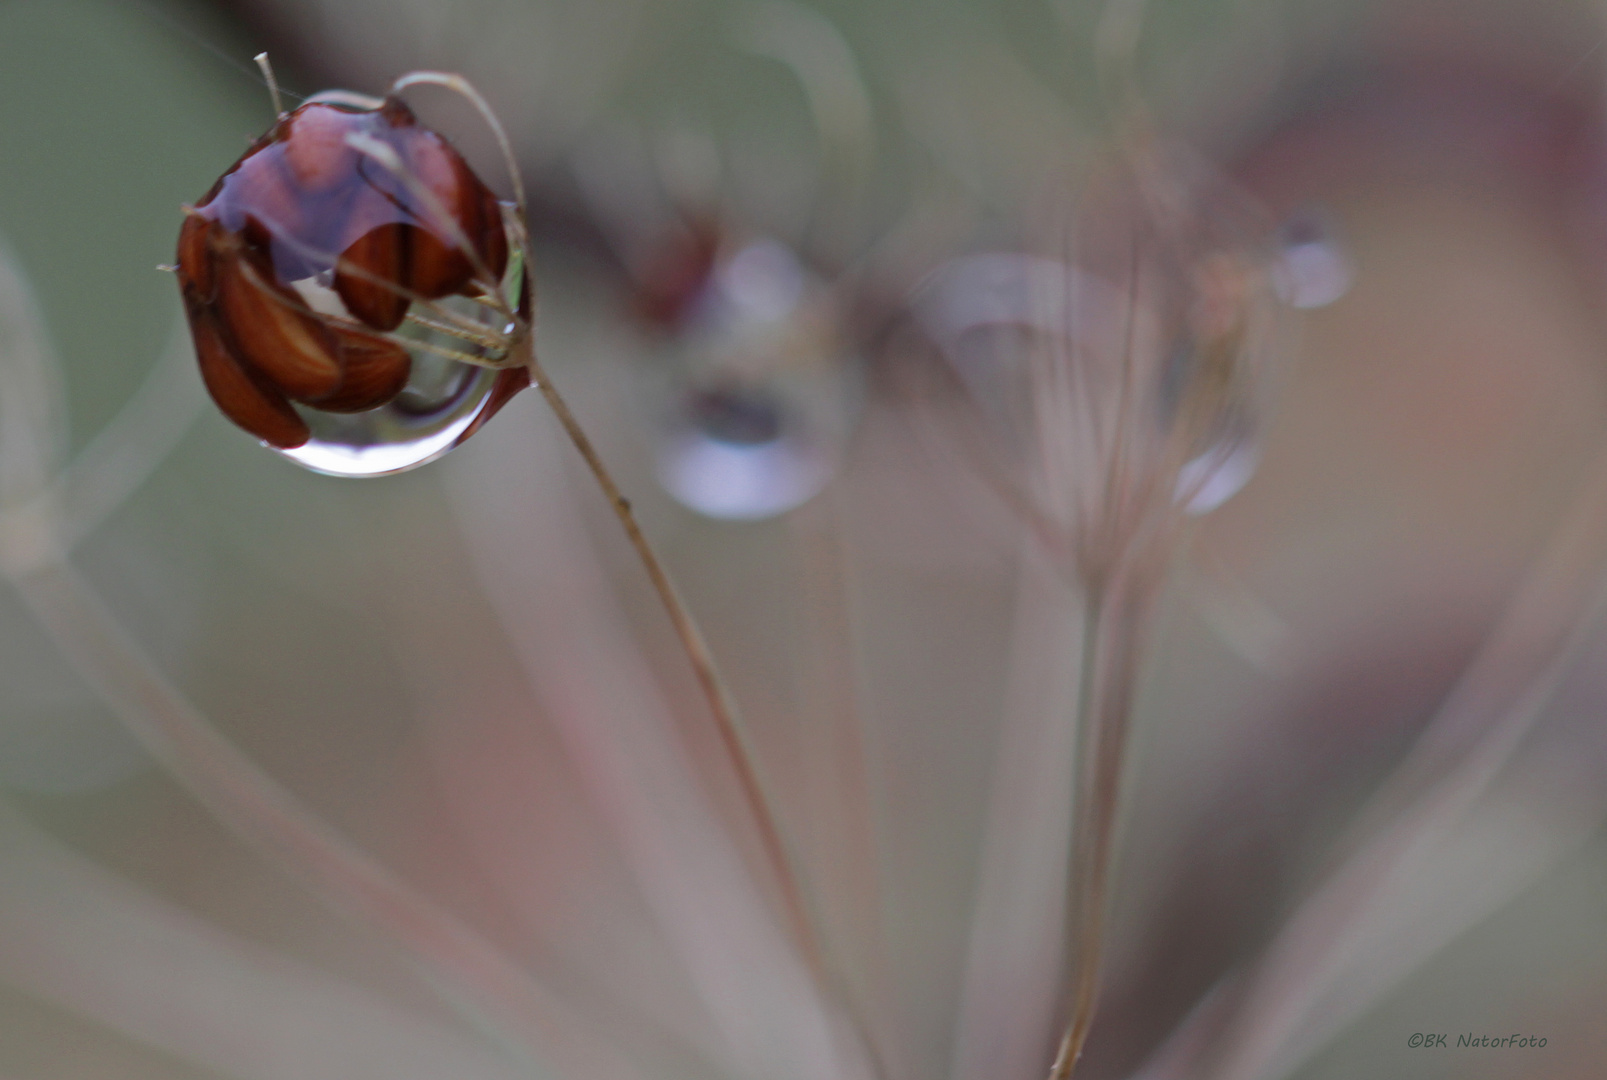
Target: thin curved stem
[
  {"x": 721, "y": 708},
  {"x": 462, "y": 87},
  {"x": 273, "y": 84},
  {"x": 1115, "y": 621}
]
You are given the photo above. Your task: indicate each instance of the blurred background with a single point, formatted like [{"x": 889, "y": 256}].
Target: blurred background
[{"x": 778, "y": 248}]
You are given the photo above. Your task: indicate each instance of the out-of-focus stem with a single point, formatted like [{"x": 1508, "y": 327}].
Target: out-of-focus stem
[
  {"x": 721, "y": 708},
  {"x": 1115, "y": 619},
  {"x": 530, "y": 1019}
]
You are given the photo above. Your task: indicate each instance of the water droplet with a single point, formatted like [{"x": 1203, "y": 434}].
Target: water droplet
[
  {"x": 1312, "y": 269},
  {"x": 996, "y": 288},
  {"x": 732, "y": 416},
  {"x": 763, "y": 282},
  {"x": 757, "y": 395},
  {"x": 1158, "y": 347},
  {"x": 1217, "y": 475},
  {"x": 743, "y": 454},
  {"x": 445, "y": 400},
  {"x": 990, "y": 314}
]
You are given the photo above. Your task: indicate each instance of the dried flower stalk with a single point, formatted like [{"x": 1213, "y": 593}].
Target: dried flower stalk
[{"x": 1135, "y": 421}]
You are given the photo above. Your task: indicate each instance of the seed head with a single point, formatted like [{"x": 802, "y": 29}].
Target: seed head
[
  {"x": 1129, "y": 373},
  {"x": 306, "y": 256}
]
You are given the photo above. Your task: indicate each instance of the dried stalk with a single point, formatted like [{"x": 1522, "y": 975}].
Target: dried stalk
[
  {"x": 1133, "y": 504},
  {"x": 721, "y": 708},
  {"x": 554, "y": 597},
  {"x": 1115, "y": 625}
]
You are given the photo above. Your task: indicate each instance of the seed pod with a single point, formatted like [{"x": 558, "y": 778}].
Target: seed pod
[
  {"x": 374, "y": 371},
  {"x": 312, "y": 248},
  {"x": 242, "y": 396},
  {"x": 273, "y": 331},
  {"x": 195, "y": 260},
  {"x": 381, "y": 254}
]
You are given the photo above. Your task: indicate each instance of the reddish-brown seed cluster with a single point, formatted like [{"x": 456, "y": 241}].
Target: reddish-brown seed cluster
[{"x": 304, "y": 202}]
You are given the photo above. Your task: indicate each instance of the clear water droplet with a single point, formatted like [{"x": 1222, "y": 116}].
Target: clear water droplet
[
  {"x": 445, "y": 400},
  {"x": 1312, "y": 269}
]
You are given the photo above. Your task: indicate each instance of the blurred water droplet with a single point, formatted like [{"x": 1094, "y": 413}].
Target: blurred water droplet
[
  {"x": 734, "y": 417},
  {"x": 742, "y": 455},
  {"x": 756, "y": 398},
  {"x": 996, "y": 288},
  {"x": 1217, "y": 475},
  {"x": 1312, "y": 269},
  {"x": 763, "y": 282},
  {"x": 1159, "y": 346},
  {"x": 990, "y": 313}
]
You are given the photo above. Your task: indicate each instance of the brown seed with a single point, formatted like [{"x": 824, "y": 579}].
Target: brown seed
[
  {"x": 376, "y": 370},
  {"x": 195, "y": 258},
  {"x": 382, "y": 252},
  {"x": 439, "y": 266},
  {"x": 435, "y": 267},
  {"x": 273, "y": 332},
  {"x": 480, "y": 216},
  {"x": 373, "y": 238},
  {"x": 241, "y": 397}
]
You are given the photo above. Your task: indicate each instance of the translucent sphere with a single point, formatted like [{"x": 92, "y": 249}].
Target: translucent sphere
[
  {"x": 443, "y": 403},
  {"x": 357, "y": 296},
  {"x": 756, "y": 394},
  {"x": 744, "y": 453}
]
